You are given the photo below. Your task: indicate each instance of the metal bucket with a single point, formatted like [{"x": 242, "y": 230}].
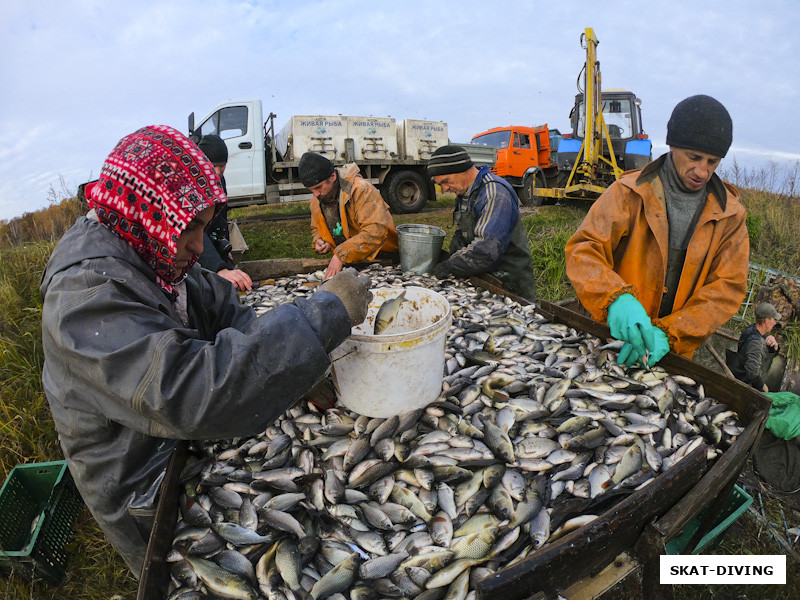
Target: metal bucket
[{"x": 420, "y": 246}]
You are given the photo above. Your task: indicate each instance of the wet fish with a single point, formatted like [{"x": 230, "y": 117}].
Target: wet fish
[
  {"x": 221, "y": 581},
  {"x": 388, "y": 312},
  {"x": 338, "y": 579},
  {"x": 533, "y": 416}
]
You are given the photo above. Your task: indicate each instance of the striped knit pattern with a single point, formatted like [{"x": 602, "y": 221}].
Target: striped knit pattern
[{"x": 447, "y": 160}]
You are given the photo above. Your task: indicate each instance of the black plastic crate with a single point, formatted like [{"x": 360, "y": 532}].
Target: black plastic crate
[{"x": 39, "y": 505}]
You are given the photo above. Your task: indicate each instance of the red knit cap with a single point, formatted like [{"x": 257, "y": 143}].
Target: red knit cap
[{"x": 151, "y": 186}]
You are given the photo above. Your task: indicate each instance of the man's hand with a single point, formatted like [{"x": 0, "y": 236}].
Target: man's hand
[
  {"x": 321, "y": 246},
  {"x": 771, "y": 341},
  {"x": 240, "y": 280},
  {"x": 765, "y": 389},
  {"x": 353, "y": 290},
  {"x": 657, "y": 344},
  {"x": 334, "y": 267}
]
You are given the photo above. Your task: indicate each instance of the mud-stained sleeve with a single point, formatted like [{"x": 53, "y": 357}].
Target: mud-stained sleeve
[
  {"x": 719, "y": 297},
  {"x": 590, "y": 253}
]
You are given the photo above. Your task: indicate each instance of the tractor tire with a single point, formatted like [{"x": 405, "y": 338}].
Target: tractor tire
[
  {"x": 526, "y": 195},
  {"x": 405, "y": 192}
]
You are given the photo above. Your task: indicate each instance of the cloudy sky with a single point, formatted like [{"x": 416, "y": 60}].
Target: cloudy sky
[{"x": 79, "y": 75}]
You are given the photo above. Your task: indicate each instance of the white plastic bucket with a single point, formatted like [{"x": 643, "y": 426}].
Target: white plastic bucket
[{"x": 401, "y": 369}]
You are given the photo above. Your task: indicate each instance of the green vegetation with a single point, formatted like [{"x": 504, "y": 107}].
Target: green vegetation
[
  {"x": 26, "y": 428},
  {"x": 27, "y": 432}
]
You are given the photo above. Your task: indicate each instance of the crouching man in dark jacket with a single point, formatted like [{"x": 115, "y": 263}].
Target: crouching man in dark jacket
[
  {"x": 756, "y": 349},
  {"x": 490, "y": 236},
  {"x": 144, "y": 348}
]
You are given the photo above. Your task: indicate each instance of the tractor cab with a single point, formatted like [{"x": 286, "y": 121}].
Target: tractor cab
[{"x": 622, "y": 116}]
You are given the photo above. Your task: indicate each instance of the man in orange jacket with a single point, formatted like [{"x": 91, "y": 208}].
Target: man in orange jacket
[
  {"x": 662, "y": 255},
  {"x": 348, "y": 214}
]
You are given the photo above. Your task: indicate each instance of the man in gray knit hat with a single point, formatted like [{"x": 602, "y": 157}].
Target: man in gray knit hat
[
  {"x": 489, "y": 237},
  {"x": 662, "y": 255}
]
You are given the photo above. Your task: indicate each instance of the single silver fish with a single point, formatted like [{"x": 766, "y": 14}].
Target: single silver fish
[{"x": 388, "y": 312}]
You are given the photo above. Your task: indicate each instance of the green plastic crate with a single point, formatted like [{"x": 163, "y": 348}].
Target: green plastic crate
[
  {"x": 735, "y": 505},
  {"x": 39, "y": 505}
]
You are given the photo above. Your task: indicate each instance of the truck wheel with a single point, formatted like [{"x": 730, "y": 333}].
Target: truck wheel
[
  {"x": 405, "y": 192},
  {"x": 526, "y": 191}
]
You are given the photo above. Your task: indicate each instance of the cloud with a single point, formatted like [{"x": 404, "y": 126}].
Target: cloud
[{"x": 78, "y": 76}]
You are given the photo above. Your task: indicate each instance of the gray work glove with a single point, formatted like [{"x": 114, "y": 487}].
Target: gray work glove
[{"x": 353, "y": 290}]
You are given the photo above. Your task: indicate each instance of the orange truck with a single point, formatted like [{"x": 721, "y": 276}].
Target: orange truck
[{"x": 525, "y": 156}]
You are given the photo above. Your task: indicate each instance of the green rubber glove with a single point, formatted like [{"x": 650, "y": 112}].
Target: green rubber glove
[
  {"x": 627, "y": 319},
  {"x": 657, "y": 345},
  {"x": 628, "y": 356}
]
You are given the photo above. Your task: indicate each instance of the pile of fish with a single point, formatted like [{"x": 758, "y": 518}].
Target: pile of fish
[{"x": 536, "y": 432}]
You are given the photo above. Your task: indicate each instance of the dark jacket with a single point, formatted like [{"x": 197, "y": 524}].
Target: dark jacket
[
  {"x": 125, "y": 378},
  {"x": 746, "y": 364},
  {"x": 490, "y": 236},
  {"x": 215, "y": 257}
]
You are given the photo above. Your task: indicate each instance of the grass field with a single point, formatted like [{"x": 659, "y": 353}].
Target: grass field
[{"x": 27, "y": 433}]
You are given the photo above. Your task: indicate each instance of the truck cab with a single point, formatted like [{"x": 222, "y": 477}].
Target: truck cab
[
  {"x": 239, "y": 124},
  {"x": 518, "y": 149},
  {"x": 525, "y": 156}
]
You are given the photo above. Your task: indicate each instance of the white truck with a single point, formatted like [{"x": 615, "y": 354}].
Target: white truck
[{"x": 262, "y": 163}]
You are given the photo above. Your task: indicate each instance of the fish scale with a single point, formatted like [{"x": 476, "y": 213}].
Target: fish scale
[{"x": 545, "y": 385}]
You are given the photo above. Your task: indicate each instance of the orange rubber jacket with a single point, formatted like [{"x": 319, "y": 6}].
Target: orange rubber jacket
[
  {"x": 366, "y": 221},
  {"x": 622, "y": 245}
]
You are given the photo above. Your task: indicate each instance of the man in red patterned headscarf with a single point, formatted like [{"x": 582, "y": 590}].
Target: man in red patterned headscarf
[{"x": 143, "y": 348}]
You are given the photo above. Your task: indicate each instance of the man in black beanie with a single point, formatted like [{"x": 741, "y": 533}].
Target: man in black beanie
[
  {"x": 348, "y": 215},
  {"x": 217, "y": 247},
  {"x": 489, "y": 237},
  {"x": 662, "y": 255}
]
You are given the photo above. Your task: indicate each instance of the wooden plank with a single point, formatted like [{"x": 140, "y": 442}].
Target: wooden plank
[
  {"x": 155, "y": 575},
  {"x": 620, "y": 580},
  {"x": 591, "y": 548},
  {"x": 494, "y": 285},
  {"x": 719, "y": 360},
  {"x": 259, "y": 270},
  {"x": 648, "y": 551}
]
